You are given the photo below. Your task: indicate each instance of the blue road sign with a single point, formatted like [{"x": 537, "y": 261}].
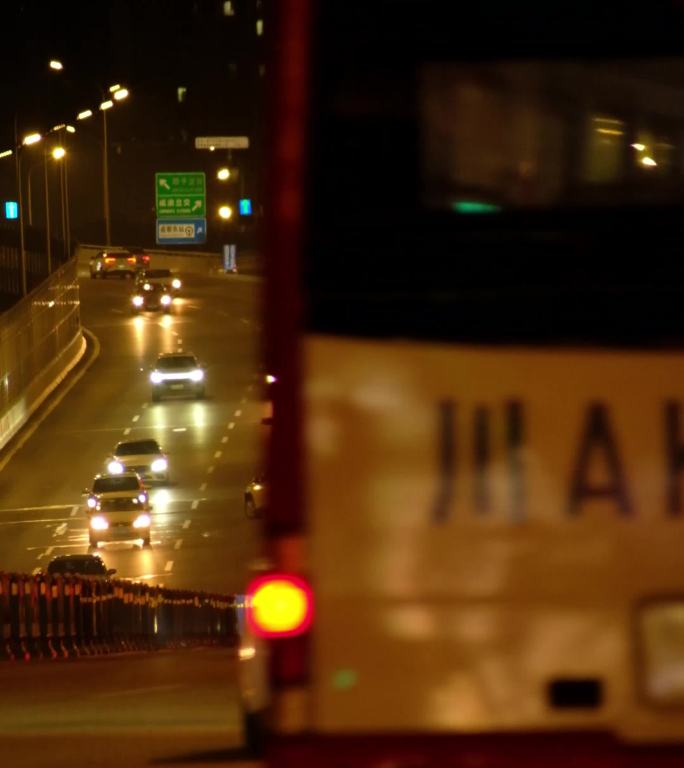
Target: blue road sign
[
  {"x": 245, "y": 206},
  {"x": 181, "y": 231},
  {"x": 11, "y": 210}
]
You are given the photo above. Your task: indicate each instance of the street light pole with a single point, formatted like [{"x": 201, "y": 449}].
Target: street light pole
[
  {"x": 105, "y": 177},
  {"x": 48, "y": 243},
  {"x": 22, "y": 247}
]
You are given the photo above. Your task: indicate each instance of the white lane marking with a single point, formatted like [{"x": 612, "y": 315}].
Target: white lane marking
[
  {"x": 210, "y": 469},
  {"x": 36, "y": 570},
  {"x": 244, "y": 320},
  {"x": 127, "y": 431},
  {"x": 237, "y": 414},
  {"x": 174, "y": 333},
  {"x": 28, "y": 522},
  {"x": 169, "y": 566},
  {"x": 74, "y": 510},
  {"x": 218, "y": 454},
  {"x": 244, "y": 400},
  {"x": 186, "y": 525},
  {"x": 250, "y": 387},
  {"x": 224, "y": 439},
  {"x": 56, "y": 546},
  {"x": 136, "y": 417},
  {"x": 179, "y": 429},
  {"x": 144, "y": 405},
  {"x": 36, "y": 509},
  {"x": 203, "y": 487},
  {"x": 137, "y": 691},
  {"x": 231, "y": 425},
  {"x": 194, "y": 504},
  {"x": 178, "y": 544},
  {"x": 60, "y": 530},
  {"x": 48, "y": 551}
]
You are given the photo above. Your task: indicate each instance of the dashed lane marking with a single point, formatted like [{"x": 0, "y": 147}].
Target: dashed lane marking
[
  {"x": 244, "y": 400},
  {"x": 179, "y": 429},
  {"x": 74, "y": 510},
  {"x": 186, "y": 525},
  {"x": 194, "y": 504},
  {"x": 224, "y": 439},
  {"x": 231, "y": 425},
  {"x": 178, "y": 544},
  {"x": 218, "y": 454},
  {"x": 127, "y": 431},
  {"x": 136, "y": 417},
  {"x": 144, "y": 405},
  {"x": 60, "y": 530},
  {"x": 210, "y": 469},
  {"x": 169, "y": 566},
  {"x": 237, "y": 414},
  {"x": 203, "y": 487}
]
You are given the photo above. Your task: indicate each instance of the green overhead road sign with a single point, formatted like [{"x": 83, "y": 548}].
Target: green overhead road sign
[{"x": 180, "y": 194}]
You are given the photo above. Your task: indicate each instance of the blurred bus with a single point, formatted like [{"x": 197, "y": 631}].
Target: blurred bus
[{"x": 475, "y": 311}]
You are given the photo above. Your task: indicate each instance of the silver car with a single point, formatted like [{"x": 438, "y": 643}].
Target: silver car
[
  {"x": 145, "y": 457},
  {"x": 107, "y": 485}
]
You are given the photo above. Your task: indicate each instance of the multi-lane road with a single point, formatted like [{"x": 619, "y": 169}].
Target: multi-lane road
[
  {"x": 137, "y": 709},
  {"x": 200, "y": 537}
]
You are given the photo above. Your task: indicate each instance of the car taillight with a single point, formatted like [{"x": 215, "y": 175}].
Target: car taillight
[
  {"x": 146, "y": 258},
  {"x": 279, "y": 605},
  {"x": 131, "y": 259},
  {"x": 109, "y": 260}
]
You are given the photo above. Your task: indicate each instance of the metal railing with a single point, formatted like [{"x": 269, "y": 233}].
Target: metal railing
[
  {"x": 39, "y": 338},
  {"x": 55, "y": 616}
]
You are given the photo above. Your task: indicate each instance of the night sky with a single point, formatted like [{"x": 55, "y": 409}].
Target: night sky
[{"x": 152, "y": 47}]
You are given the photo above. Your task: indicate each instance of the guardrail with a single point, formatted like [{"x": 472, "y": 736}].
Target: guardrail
[{"x": 60, "y": 617}]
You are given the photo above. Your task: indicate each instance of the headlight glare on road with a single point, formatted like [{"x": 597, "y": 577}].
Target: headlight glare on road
[
  {"x": 137, "y": 301},
  {"x": 99, "y": 523},
  {"x": 156, "y": 377},
  {"x": 176, "y": 283},
  {"x": 115, "y": 467},
  {"x": 92, "y": 502},
  {"x": 159, "y": 465},
  {"x": 197, "y": 374},
  {"x": 166, "y": 299},
  {"x": 142, "y": 521}
]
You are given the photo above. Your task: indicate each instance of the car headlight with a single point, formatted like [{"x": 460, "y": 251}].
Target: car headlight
[
  {"x": 156, "y": 377},
  {"x": 197, "y": 374},
  {"x": 99, "y": 523},
  {"x": 115, "y": 467},
  {"x": 142, "y": 498},
  {"x": 166, "y": 299},
  {"x": 176, "y": 283},
  {"x": 147, "y": 287},
  {"x": 137, "y": 301},
  {"x": 92, "y": 502},
  {"x": 159, "y": 465},
  {"x": 270, "y": 378},
  {"x": 142, "y": 521}
]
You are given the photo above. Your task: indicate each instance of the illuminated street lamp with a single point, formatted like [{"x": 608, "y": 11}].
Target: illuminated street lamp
[
  {"x": 120, "y": 94},
  {"x": 86, "y": 113},
  {"x": 32, "y": 138},
  {"x": 225, "y": 212},
  {"x": 58, "y": 153},
  {"x": 56, "y": 64},
  {"x": 106, "y": 105},
  {"x": 223, "y": 174}
]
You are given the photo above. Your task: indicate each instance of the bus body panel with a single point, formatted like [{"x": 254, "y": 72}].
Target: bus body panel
[{"x": 488, "y": 523}]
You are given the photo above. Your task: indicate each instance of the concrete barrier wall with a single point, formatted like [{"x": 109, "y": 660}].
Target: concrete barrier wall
[
  {"x": 40, "y": 341},
  {"x": 192, "y": 262}
]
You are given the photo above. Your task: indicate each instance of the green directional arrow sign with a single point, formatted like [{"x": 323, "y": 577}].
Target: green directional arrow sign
[{"x": 180, "y": 194}]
